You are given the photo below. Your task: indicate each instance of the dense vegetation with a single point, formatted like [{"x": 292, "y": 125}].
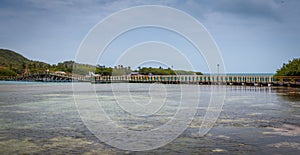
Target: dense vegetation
[
  {"x": 290, "y": 69},
  {"x": 13, "y": 64},
  {"x": 156, "y": 71},
  {"x": 117, "y": 70},
  {"x": 168, "y": 71},
  {"x": 121, "y": 70},
  {"x": 72, "y": 67},
  {"x": 183, "y": 72}
]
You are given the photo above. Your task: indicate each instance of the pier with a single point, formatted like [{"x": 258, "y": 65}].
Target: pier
[
  {"x": 202, "y": 80},
  {"x": 51, "y": 77},
  {"x": 290, "y": 81}
]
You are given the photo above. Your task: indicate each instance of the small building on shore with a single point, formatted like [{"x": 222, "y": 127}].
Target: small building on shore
[
  {"x": 60, "y": 72},
  {"x": 134, "y": 73}
]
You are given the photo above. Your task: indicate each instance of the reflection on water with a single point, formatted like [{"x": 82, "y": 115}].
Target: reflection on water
[
  {"x": 289, "y": 94},
  {"x": 41, "y": 118}
]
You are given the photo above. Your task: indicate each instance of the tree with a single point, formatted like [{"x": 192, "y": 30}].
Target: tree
[
  {"x": 7, "y": 72},
  {"x": 290, "y": 69}
]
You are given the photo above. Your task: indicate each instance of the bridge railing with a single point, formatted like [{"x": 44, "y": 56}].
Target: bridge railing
[
  {"x": 287, "y": 79},
  {"x": 205, "y": 79},
  {"x": 186, "y": 78}
]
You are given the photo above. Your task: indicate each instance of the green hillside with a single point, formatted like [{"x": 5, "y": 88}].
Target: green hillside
[
  {"x": 12, "y": 63},
  {"x": 8, "y": 57}
]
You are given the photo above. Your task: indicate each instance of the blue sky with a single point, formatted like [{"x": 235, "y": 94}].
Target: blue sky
[{"x": 252, "y": 35}]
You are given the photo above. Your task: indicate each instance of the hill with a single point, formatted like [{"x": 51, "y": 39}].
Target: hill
[
  {"x": 8, "y": 57},
  {"x": 12, "y": 63}
]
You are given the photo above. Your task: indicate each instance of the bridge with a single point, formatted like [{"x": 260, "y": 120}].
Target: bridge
[
  {"x": 51, "y": 77},
  {"x": 293, "y": 81},
  {"x": 202, "y": 80}
]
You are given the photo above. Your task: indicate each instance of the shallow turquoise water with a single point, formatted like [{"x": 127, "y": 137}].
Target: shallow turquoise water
[{"x": 41, "y": 118}]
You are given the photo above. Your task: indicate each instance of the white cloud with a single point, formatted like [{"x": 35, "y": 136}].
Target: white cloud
[{"x": 64, "y": 23}]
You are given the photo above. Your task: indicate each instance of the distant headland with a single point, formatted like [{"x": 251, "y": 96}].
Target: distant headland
[{"x": 15, "y": 64}]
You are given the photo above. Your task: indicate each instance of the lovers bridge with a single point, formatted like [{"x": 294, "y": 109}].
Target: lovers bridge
[
  {"x": 202, "y": 79},
  {"x": 259, "y": 80},
  {"x": 51, "y": 77}
]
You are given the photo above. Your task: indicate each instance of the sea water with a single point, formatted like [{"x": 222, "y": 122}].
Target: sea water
[{"x": 43, "y": 118}]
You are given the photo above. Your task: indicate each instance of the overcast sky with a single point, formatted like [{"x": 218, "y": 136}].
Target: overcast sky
[{"x": 252, "y": 35}]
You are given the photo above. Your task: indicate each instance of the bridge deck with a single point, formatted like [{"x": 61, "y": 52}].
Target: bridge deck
[
  {"x": 201, "y": 79},
  {"x": 167, "y": 79},
  {"x": 51, "y": 78}
]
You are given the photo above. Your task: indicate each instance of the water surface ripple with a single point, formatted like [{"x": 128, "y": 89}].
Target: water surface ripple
[{"x": 41, "y": 118}]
